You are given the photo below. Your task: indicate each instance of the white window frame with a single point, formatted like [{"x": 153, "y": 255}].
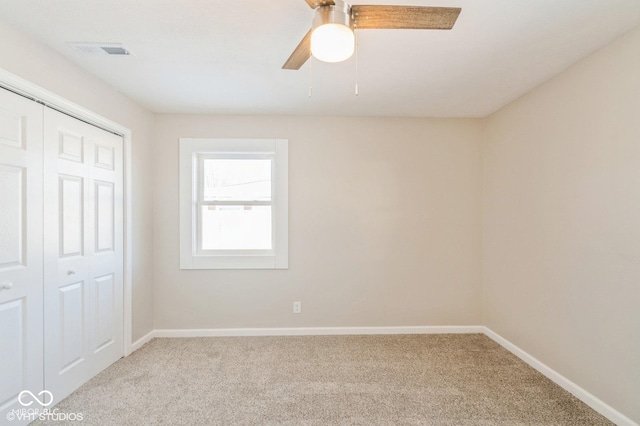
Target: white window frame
[{"x": 193, "y": 152}]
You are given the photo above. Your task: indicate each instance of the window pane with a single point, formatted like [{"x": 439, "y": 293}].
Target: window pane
[
  {"x": 237, "y": 180},
  {"x": 236, "y": 227}
]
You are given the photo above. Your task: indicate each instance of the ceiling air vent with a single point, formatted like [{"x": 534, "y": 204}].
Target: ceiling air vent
[{"x": 93, "y": 49}]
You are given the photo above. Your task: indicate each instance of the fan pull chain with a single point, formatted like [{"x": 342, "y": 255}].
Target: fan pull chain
[
  {"x": 355, "y": 34},
  {"x": 310, "y": 79}
]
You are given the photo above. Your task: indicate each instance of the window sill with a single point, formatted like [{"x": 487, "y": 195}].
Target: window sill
[{"x": 233, "y": 262}]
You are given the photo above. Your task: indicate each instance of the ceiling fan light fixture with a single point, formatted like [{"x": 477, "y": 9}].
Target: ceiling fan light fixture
[
  {"x": 332, "y": 39},
  {"x": 332, "y": 43}
]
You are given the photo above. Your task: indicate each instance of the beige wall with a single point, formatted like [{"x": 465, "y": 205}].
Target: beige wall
[
  {"x": 562, "y": 224},
  {"x": 384, "y": 226},
  {"x": 31, "y": 60}
]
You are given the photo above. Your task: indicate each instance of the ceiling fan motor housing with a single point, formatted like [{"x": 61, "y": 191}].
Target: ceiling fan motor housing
[{"x": 339, "y": 13}]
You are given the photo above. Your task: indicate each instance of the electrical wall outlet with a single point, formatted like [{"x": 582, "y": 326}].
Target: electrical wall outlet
[{"x": 297, "y": 307}]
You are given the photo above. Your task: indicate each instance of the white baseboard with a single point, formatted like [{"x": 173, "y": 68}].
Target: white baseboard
[
  {"x": 591, "y": 400},
  {"x": 142, "y": 341},
  {"x": 317, "y": 331}
]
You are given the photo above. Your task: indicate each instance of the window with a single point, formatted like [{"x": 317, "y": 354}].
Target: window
[{"x": 233, "y": 204}]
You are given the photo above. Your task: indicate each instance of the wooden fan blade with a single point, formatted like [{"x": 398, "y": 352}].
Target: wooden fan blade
[
  {"x": 300, "y": 55},
  {"x": 404, "y": 17},
  {"x": 315, "y": 3}
]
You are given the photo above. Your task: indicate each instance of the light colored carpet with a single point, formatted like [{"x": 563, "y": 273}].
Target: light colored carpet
[{"x": 326, "y": 380}]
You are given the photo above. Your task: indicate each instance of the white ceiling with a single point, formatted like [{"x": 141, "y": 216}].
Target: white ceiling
[{"x": 225, "y": 57}]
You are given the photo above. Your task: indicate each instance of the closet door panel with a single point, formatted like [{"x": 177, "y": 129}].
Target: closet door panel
[
  {"x": 71, "y": 223},
  {"x": 20, "y": 251},
  {"x": 12, "y": 223},
  {"x": 84, "y": 277}
]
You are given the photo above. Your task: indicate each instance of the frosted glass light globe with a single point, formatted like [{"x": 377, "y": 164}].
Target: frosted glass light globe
[{"x": 332, "y": 43}]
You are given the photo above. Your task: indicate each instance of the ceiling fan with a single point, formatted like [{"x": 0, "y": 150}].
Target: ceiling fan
[{"x": 331, "y": 37}]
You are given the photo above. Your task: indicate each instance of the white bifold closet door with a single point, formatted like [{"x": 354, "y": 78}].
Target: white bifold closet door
[
  {"x": 21, "y": 337},
  {"x": 83, "y": 252}
]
